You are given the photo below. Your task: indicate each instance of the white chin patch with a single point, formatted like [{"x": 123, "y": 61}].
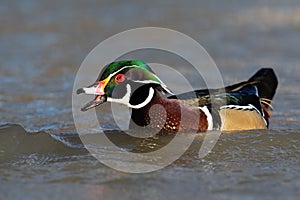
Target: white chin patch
[{"x": 125, "y": 100}]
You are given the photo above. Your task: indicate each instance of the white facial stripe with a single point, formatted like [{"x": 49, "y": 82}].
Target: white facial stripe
[
  {"x": 208, "y": 116},
  {"x": 93, "y": 89},
  {"x": 126, "y": 98},
  {"x": 151, "y": 81},
  {"x": 125, "y": 67},
  {"x": 148, "y": 99},
  {"x": 163, "y": 85},
  {"x": 169, "y": 91},
  {"x": 145, "y": 81},
  {"x": 111, "y": 75}
]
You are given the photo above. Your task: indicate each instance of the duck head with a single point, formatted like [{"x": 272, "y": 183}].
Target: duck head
[{"x": 129, "y": 82}]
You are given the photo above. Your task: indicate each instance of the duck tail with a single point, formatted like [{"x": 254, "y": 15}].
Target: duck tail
[{"x": 266, "y": 82}]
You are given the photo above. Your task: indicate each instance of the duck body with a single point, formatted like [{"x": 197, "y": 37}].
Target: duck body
[
  {"x": 242, "y": 106},
  {"x": 168, "y": 115}
]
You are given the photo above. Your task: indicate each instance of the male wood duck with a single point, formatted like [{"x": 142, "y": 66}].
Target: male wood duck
[{"x": 242, "y": 106}]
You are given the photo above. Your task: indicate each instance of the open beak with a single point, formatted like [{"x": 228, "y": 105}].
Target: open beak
[
  {"x": 99, "y": 99},
  {"x": 95, "y": 89}
]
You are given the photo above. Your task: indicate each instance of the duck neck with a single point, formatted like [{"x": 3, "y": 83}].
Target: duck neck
[{"x": 142, "y": 101}]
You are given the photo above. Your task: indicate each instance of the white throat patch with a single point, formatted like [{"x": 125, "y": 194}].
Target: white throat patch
[{"x": 125, "y": 100}]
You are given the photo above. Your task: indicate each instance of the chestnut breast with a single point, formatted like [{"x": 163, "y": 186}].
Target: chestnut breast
[{"x": 170, "y": 115}]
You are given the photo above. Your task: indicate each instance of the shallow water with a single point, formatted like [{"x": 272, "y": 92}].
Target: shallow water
[{"x": 42, "y": 47}]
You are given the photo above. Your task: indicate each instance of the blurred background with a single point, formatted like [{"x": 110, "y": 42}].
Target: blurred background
[{"x": 42, "y": 44}]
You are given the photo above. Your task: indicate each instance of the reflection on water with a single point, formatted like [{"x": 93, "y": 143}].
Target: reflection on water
[{"x": 42, "y": 46}]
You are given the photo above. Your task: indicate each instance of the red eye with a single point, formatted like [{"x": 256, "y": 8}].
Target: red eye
[{"x": 120, "y": 78}]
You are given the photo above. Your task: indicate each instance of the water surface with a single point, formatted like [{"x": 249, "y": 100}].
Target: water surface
[{"x": 42, "y": 46}]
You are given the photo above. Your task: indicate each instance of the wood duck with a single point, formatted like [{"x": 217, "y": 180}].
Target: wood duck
[{"x": 242, "y": 106}]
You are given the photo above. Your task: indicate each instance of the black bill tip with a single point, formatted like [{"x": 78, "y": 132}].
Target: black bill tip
[{"x": 80, "y": 91}]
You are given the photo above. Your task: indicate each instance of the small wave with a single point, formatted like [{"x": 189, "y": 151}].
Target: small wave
[{"x": 19, "y": 146}]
